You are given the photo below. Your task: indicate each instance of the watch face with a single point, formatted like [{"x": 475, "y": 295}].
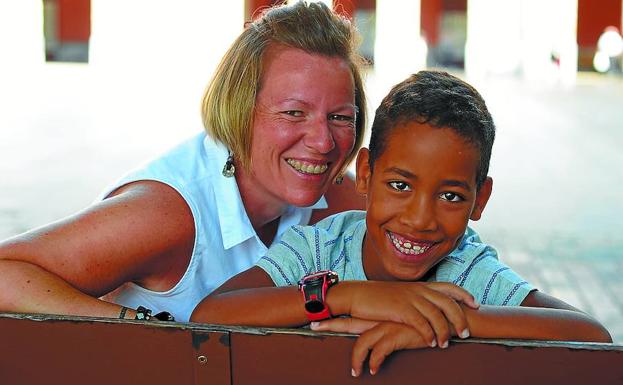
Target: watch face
[{"x": 314, "y": 306}]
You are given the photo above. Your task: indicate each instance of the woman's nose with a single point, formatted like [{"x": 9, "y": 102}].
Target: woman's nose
[{"x": 319, "y": 136}]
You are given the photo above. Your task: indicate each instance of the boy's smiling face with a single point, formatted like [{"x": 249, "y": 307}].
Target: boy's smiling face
[{"x": 420, "y": 196}]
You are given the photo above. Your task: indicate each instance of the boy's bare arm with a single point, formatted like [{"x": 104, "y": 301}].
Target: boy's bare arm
[
  {"x": 548, "y": 318},
  {"x": 535, "y": 323},
  {"x": 540, "y": 317},
  {"x": 250, "y": 298},
  {"x": 539, "y": 299}
]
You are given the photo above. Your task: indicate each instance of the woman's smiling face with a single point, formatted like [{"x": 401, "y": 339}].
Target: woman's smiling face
[
  {"x": 420, "y": 196},
  {"x": 303, "y": 126}
]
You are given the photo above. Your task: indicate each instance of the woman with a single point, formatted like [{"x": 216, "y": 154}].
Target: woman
[{"x": 284, "y": 114}]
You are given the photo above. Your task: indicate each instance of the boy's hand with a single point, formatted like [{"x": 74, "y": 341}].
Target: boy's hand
[
  {"x": 427, "y": 307},
  {"x": 380, "y": 341},
  {"x": 456, "y": 292},
  {"x": 344, "y": 325},
  {"x": 378, "y": 338}
]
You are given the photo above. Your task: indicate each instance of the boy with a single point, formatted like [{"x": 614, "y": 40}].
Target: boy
[{"x": 408, "y": 266}]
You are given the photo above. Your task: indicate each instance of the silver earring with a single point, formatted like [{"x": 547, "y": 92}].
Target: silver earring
[
  {"x": 229, "y": 169},
  {"x": 339, "y": 179}
]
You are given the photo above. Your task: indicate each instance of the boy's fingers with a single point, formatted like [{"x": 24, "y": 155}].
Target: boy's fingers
[
  {"x": 383, "y": 348},
  {"x": 453, "y": 313},
  {"x": 362, "y": 347},
  {"x": 456, "y": 292},
  {"x": 422, "y": 319},
  {"x": 381, "y": 341},
  {"x": 436, "y": 320},
  {"x": 344, "y": 325}
]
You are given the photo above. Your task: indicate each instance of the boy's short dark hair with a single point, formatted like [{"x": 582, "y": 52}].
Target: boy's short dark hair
[{"x": 441, "y": 100}]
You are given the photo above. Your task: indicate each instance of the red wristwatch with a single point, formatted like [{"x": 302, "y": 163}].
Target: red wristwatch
[{"x": 314, "y": 288}]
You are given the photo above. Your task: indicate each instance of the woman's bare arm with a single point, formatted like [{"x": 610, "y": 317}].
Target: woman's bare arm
[{"x": 143, "y": 234}]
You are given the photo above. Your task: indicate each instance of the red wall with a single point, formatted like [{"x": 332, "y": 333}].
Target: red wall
[
  {"x": 74, "y": 18},
  {"x": 345, "y": 7},
  {"x": 594, "y": 16},
  {"x": 430, "y": 14},
  {"x": 254, "y": 5}
]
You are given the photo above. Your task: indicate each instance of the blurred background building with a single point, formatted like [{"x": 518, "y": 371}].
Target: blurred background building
[
  {"x": 91, "y": 88},
  {"x": 521, "y": 36}
]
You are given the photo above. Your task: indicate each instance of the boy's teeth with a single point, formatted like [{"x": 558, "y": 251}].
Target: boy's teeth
[
  {"x": 407, "y": 247},
  {"x": 307, "y": 168}
]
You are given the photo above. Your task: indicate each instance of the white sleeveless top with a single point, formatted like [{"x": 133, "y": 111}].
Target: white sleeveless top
[{"x": 225, "y": 242}]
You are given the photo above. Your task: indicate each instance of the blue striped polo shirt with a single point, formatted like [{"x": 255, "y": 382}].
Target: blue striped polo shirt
[{"x": 335, "y": 243}]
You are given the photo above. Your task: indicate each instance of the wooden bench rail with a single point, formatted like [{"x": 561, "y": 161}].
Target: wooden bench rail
[{"x": 44, "y": 349}]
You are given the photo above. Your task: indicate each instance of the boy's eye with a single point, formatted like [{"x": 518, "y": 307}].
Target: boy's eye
[
  {"x": 400, "y": 186},
  {"x": 451, "y": 197}
]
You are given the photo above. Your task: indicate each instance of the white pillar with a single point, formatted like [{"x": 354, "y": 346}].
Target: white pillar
[
  {"x": 520, "y": 36},
  {"x": 22, "y": 44},
  {"x": 192, "y": 33},
  {"x": 152, "y": 59},
  {"x": 493, "y": 36},
  {"x": 399, "y": 50},
  {"x": 549, "y": 29},
  {"x": 22, "y": 67},
  {"x": 567, "y": 22}
]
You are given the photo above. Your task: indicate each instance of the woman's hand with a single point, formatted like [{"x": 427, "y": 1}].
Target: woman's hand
[{"x": 429, "y": 308}]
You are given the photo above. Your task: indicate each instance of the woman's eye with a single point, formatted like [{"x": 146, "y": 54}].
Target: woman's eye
[
  {"x": 451, "y": 197},
  {"x": 342, "y": 119},
  {"x": 294, "y": 113},
  {"x": 400, "y": 186}
]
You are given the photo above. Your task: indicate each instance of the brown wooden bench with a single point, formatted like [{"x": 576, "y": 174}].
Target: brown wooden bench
[{"x": 42, "y": 349}]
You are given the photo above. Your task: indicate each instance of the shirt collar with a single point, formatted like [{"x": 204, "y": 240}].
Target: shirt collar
[{"x": 235, "y": 224}]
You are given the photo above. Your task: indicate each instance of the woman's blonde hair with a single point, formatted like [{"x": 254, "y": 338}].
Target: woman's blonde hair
[{"x": 229, "y": 100}]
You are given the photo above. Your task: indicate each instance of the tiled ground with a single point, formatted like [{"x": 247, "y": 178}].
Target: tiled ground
[{"x": 592, "y": 286}]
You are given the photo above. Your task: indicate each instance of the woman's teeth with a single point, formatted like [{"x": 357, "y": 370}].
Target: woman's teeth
[
  {"x": 407, "y": 247},
  {"x": 307, "y": 168}
]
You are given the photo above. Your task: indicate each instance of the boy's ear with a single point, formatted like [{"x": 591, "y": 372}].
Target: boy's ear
[
  {"x": 481, "y": 199},
  {"x": 362, "y": 179}
]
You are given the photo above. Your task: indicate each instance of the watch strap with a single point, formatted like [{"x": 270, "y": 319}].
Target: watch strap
[{"x": 314, "y": 288}]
